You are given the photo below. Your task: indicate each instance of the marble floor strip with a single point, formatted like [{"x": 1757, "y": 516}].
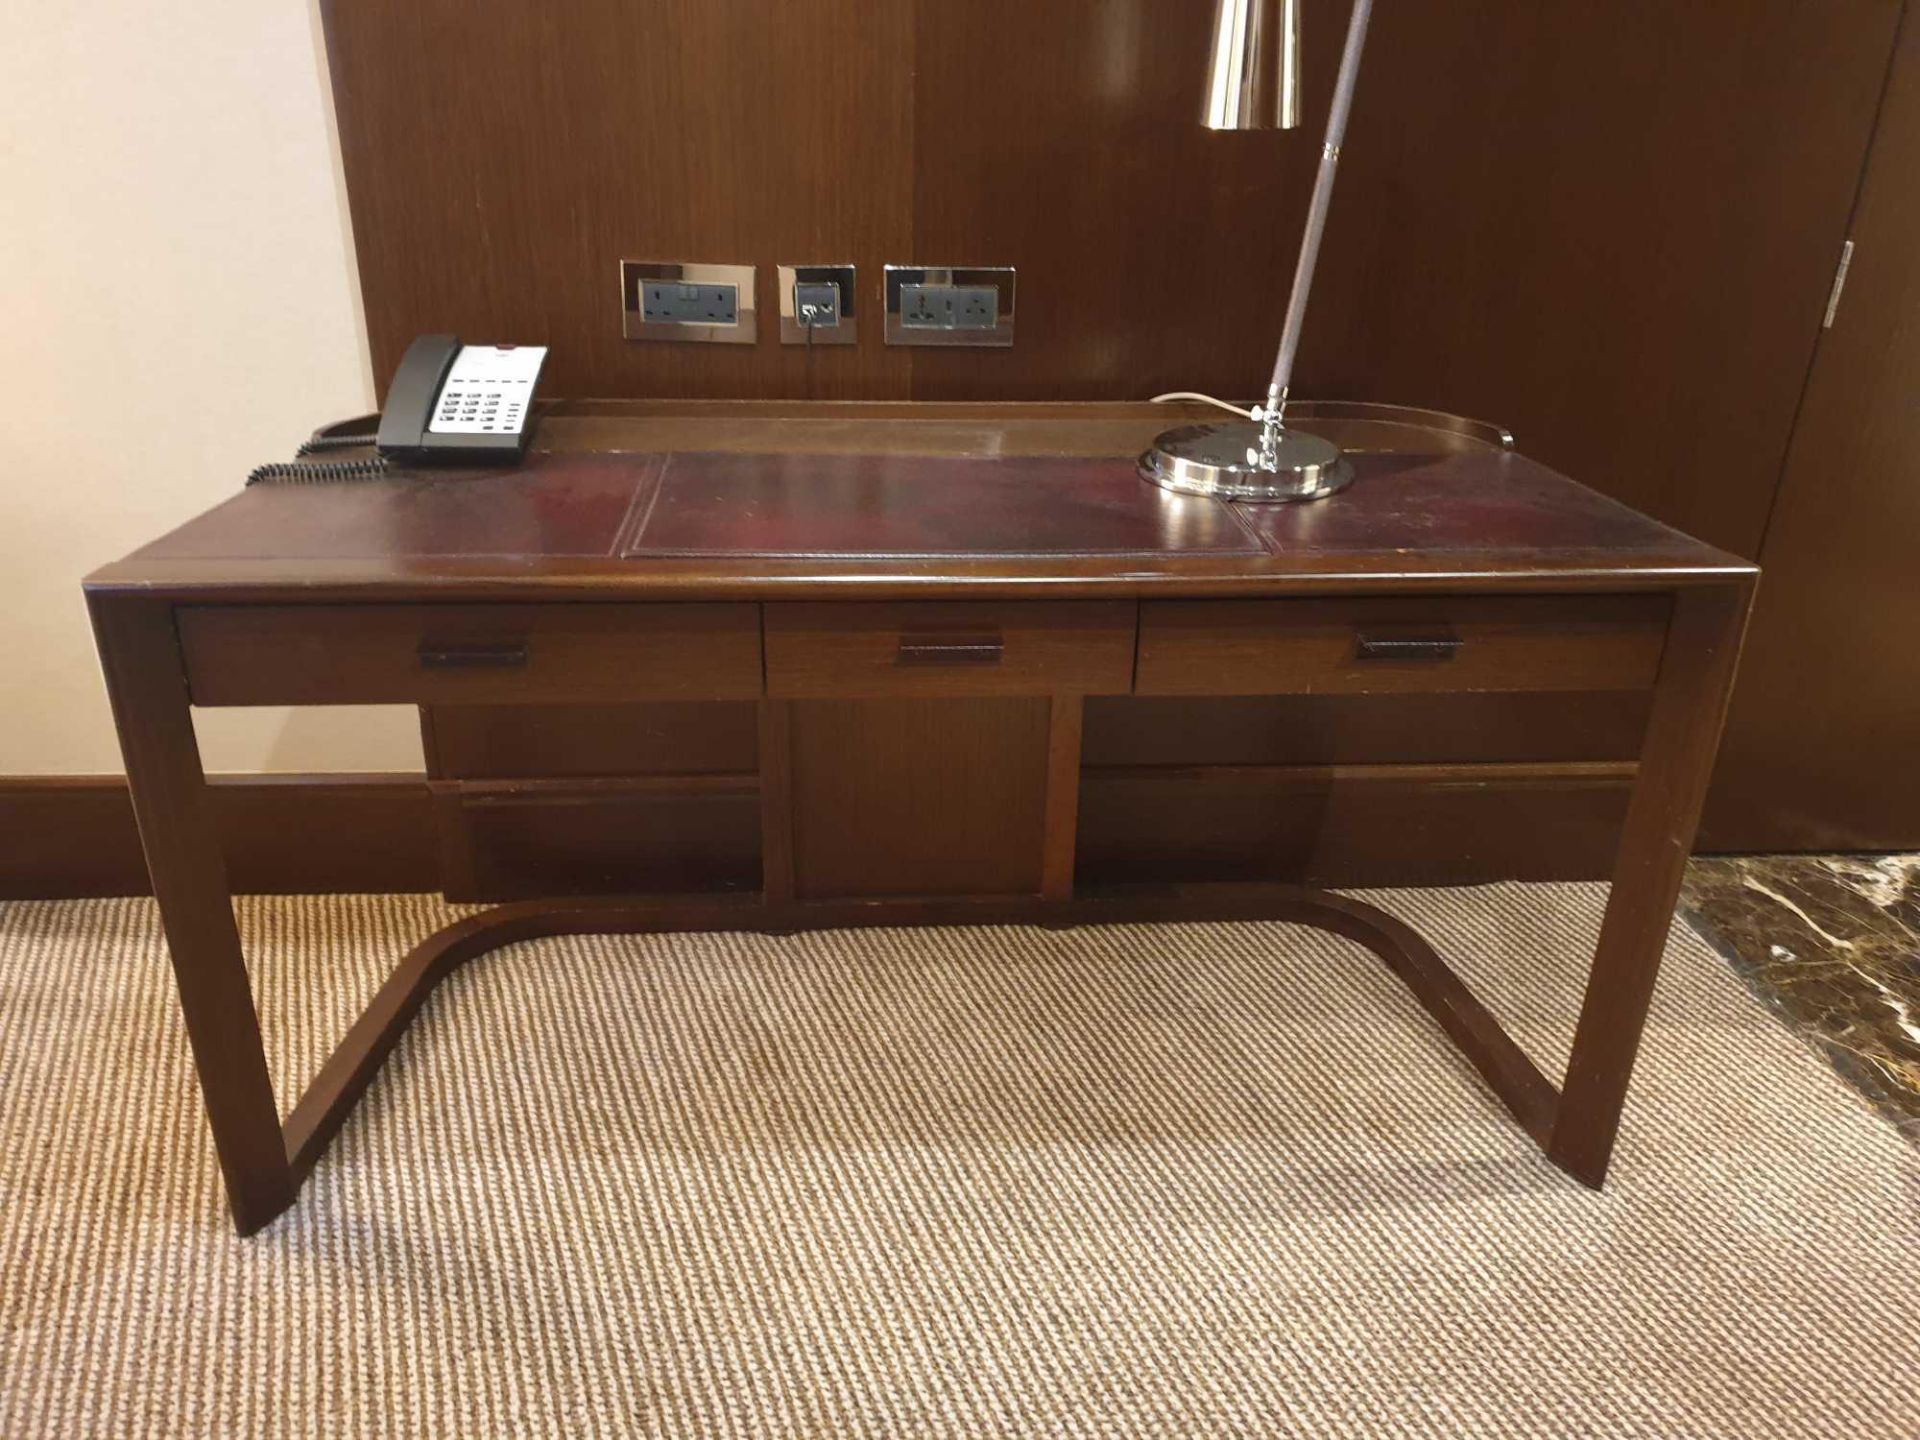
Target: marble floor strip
[{"x": 1831, "y": 943}]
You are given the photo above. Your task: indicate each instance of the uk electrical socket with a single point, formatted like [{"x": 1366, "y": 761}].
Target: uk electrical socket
[
  {"x": 685, "y": 301},
  {"x": 949, "y": 305},
  {"x": 674, "y": 302}
]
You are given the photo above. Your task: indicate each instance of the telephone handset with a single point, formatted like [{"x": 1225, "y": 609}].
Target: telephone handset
[
  {"x": 448, "y": 404},
  {"x": 454, "y": 404}
]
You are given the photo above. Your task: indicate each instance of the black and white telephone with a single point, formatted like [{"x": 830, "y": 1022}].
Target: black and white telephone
[{"x": 449, "y": 404}]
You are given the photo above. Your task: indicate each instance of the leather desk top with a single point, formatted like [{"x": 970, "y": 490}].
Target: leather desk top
[{"x": 896, "y": 503}]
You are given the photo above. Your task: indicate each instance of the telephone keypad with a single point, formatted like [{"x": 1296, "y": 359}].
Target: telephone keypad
[{"x": 488, "y": 389}]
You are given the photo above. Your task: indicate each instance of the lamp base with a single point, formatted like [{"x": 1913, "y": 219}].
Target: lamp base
[{"x": 1213, "y": 460}]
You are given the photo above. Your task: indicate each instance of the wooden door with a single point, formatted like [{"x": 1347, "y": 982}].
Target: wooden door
[{"x": 1820, "y": 752}]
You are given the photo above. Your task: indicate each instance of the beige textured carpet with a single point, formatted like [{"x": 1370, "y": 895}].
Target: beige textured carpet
[{"x": 1185, "y": 1181}]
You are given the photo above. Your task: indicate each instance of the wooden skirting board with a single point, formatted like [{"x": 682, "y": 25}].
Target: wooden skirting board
[
  {"x": 64, "y": 836},
  {"x": 74, "y": 835}
]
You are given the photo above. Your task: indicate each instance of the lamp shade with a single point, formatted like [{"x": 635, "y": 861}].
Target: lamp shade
[{"x": 1253, "y": 75}]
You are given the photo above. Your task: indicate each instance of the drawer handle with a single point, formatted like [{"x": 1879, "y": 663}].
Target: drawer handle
[
  {"x": 473, "y": 654},
  {"x": 1426, "y": 649},
  {"x": 950, "y": 650}
]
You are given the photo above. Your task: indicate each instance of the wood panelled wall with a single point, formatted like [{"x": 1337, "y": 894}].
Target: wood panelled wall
[{"x": 1611, "y": 226}]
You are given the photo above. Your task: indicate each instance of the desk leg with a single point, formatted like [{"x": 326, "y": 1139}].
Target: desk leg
[
  {"x": 1062, "y": 811},
  {"x": 140, "y": 654},
  {"x": 1683, "y": 732},
  {"x": 776, "y": 801}
]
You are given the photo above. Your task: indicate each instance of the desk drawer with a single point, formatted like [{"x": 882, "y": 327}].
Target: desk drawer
[
  {"x": 1018, "y": 648},
  {"x": 468, "y": 654},
  {"x": 1382, "y": 646}
]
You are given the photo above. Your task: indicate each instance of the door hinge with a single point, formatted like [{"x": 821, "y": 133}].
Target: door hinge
[{"x": 1839, "y": 284}]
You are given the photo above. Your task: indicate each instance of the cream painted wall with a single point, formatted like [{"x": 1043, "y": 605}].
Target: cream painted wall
[{"x": 180, "y": 304}]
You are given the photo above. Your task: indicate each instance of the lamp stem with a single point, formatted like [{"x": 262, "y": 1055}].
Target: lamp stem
[{"x": 1316, "y": 227}]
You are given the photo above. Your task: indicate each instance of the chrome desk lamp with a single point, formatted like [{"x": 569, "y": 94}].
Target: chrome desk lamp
[{"x": 1253, "y": 83}]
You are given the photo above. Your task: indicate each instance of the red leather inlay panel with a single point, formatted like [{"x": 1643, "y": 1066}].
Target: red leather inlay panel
[
  {"x": 554, "y": 505},
  {"x": 1469, "y": 503},
  {"x": 906, "y": 505}
]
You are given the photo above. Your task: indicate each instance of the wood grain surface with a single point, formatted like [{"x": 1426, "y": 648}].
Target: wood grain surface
[
  {"x": 1610, "y": 226},
  {"x": 1819, "y": 744}
]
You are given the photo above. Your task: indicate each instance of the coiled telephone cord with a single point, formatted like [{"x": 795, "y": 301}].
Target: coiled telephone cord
[
  {"x": 318, "y": 472},
  {"x": 346, "y": 435}
]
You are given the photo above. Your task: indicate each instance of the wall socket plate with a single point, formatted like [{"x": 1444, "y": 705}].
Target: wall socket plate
[
  {"x": 949, "y": 305},
  {"x": 710, "y": 304},
  {"x": 824, "y": 287}
]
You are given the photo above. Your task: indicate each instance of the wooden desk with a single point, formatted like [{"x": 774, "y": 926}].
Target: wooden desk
[{"x": 919, "y": 604}]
